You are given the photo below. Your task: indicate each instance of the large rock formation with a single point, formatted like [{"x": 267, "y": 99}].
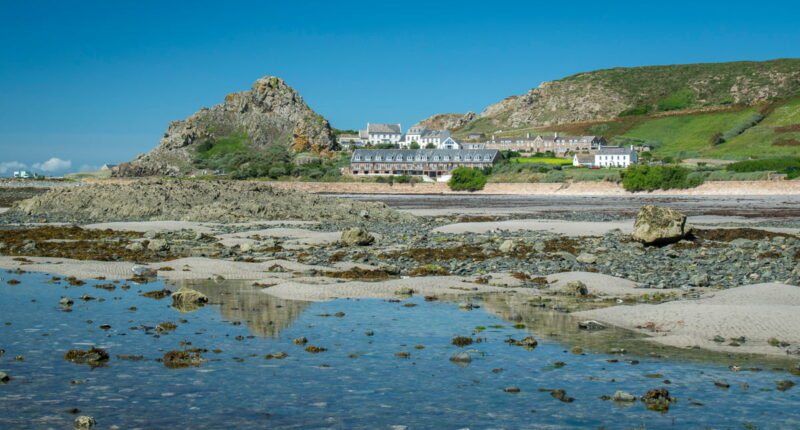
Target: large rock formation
[
  {"x": 447, "y": 121},
  {"x": 606, "y": 93},
  {"x": 658, "y": 226},
  {"x": 271, "y": 113}
]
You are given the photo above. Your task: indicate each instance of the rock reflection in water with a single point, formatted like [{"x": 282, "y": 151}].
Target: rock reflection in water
[{"x": 264, "y": 314}]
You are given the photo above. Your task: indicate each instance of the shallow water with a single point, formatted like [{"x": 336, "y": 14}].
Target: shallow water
[
  {"x": 765, "y": 206},
  {"x": 357, "y": 383}
]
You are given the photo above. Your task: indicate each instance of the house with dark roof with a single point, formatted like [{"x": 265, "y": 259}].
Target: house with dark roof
[
  {"x": 432, "y": 163},
  {"x": 381, "y": 133},
  {"x": 615, "y": 156},
  {"x": 583, "y": 160}
]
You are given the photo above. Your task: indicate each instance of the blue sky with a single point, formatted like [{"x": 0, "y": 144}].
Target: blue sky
[{"x": 91, "y": 82}]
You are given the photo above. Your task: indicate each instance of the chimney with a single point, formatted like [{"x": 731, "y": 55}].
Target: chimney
[
  {"x": 556, "y": 136},
  {"x": 528, "y": 135}
]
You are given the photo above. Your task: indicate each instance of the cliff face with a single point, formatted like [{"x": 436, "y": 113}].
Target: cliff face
[
  {"x": 446, "y": 121},
  {"x": 271, "y": 113},
  {"x": 607, "y": 93}
]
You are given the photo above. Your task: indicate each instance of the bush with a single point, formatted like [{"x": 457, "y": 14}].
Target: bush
[
  {"x": 767, "y": 164},
  {"x": 647, "y": 178},
  {"x": 555, "y": 176},
  {"x": 737, "y": 129},
  {"x": 277, "y": 172},
  {"x": 682, "y": 99},
  {"x": 465, "y": 178},
  {"x": 413, "y": 145}
]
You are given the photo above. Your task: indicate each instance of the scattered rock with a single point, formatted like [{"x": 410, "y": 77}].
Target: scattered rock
[
  {"x": 181, "y": 359},
  {"x": 357, "y": 236},
  {"x": 300, "y": 340},
  {"x": 84, "y": 422},
  {"x": 65, "y": 301},
  {"x": 657, "y": 399},
  {"x": 188, "y": 300},
  {"x": 784, "y": 385},
  {"x": 574, "y": 288},
  {"x": 512, "y": 390},
  {"x": 527, "y": 342},
  {"x": 722, "y": 384},
  {"x": 561, "y": 395},
  {"x": 4, "y": 377},
  {"x": 623, "y": 397},
  {"x": 144, "y": 272},
  {"x": 404, "y": 291},
  {"x": 586, "y": 258},
  {"x": 135, "y": 247},
  {"x": 659, "y": 226},
  {"x": 93, "y": 356},
  {"x": 315, "y": 349},
  {"x": 699, "y": 280},
  {"x": 157, "y": 294},
  {"x": 508, "y": 246},
  {"x": 462, "y": 359},
  {"x": 591, "y": 325},
  {"x": 278, "y": 355},
  {"x": 461, "y": 341}
]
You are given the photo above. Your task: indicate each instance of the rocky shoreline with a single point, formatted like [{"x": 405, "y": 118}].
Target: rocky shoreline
[{"x": 383, "y": 251}]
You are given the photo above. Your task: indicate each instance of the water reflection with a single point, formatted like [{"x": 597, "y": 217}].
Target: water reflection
[{"x": 265, "y": 315}]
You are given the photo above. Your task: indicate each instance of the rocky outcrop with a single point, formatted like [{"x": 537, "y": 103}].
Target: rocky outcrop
[
  {"x": 208, "y": 201},
  {"x": 606, "y": 93},
  {"x": 447, "y": 121},
  {"x": 658, "y": 226},
  {"x": 270, "y": 113}
]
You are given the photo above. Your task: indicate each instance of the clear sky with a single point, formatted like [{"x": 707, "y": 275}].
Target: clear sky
[{"x": 93, "y": 82}]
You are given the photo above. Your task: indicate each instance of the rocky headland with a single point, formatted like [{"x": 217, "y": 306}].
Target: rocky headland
[{"x": 271, "y": 113}]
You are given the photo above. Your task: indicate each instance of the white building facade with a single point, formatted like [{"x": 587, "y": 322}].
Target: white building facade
[
  {"x": 615, "y": 156},
  {"x": 381, "y": 133}
]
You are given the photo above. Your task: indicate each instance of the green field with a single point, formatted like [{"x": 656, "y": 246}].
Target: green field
[
  {"x": 764, "y": 139},
  {"x": 690, "y": 133},
  {"x": 542, "y": 160}
]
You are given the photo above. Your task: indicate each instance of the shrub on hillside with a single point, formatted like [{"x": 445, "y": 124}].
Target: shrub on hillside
[
  {"x": 642, "y": 109},
  {"x": 467, "y": 179},
  {"x": 737, "y": 129},
  {"x": 647, "y": 178},
  {"x": 682, "y": 99},
  {"x": 555, "y": 176},
  {"x": 766, "y": 164}
]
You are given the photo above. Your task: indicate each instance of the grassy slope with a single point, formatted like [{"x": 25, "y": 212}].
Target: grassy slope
[
  {"x": 758, "y": 141},
  {"x": 689, "y": 132}
]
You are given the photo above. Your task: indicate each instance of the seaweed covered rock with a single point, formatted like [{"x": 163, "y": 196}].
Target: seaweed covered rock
[
  {"x": 659, "y": 226},
  {"x": 188, "y": 300},
  {"x": 181, "y": 359},
  {"x": 93, "y": 356}
]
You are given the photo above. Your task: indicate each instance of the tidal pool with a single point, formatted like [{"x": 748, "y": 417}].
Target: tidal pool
[{"x": 358, "y": 382}]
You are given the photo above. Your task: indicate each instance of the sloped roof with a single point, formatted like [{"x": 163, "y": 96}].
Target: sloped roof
[
  {"x": 428, "y": 153},
  {"x": 384, "y": 128},
  {"x": 614, "y": 150}
]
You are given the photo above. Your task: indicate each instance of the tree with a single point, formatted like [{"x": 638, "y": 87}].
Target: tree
[
  {"x": 413, "y": 145},
  {"x": 467, "y": 179},
  {"x": 430, "y": 146}
]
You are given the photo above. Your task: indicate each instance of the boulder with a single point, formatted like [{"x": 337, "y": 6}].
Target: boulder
[
  {"x": 591, "y": 325},
  {"x": 508, "y": 246},
  {"x": 93, "y": 356},
  {"x": 84, "y": 422},
  {"x": 144, "y": 271},
  {"x": 135, "y": 247},
  {"x": 158, "y": 245},
  {"x": 357, "y": 236},
  {"x": 462, "y": 359},
  {"x": 574, "y": 288},
  {"x": 586, "y": 258},
  {"x": 699, "y": 280},
  {"x": 404, "y": 291},
  {"x": 658, "y": 226},
  {"x": 623, "y": 396},
  {"x": 4, "y": 377},
  {"x": 188, "y": 300}
]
